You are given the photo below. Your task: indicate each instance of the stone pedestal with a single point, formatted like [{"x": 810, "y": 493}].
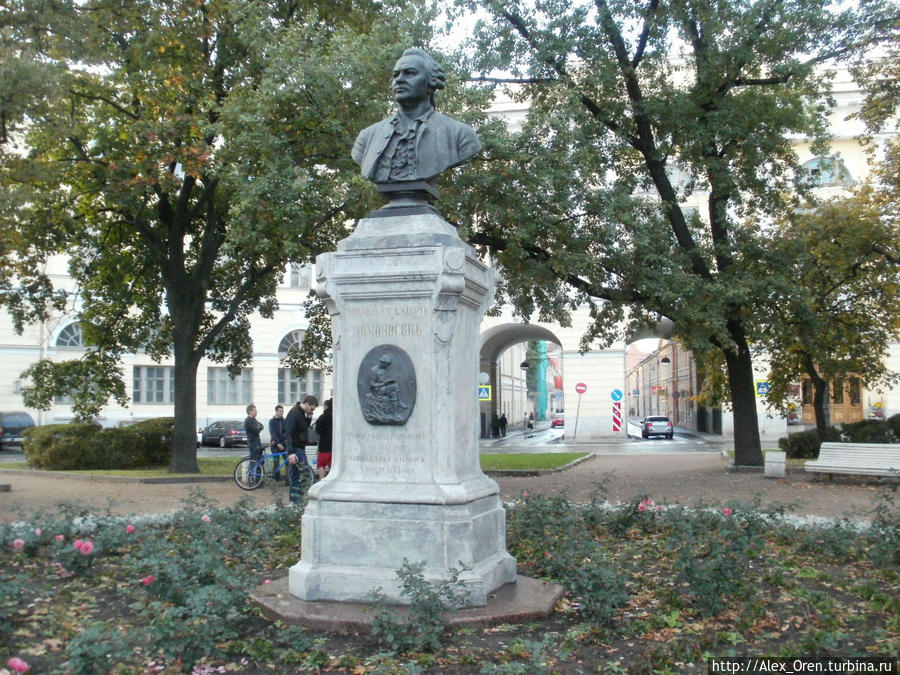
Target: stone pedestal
[
  {"x": 406, "y": 298},
  {"x": 775, "y": 464}
]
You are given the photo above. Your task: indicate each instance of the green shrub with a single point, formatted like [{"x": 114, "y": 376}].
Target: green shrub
[
  {"x": 158, "y": 434},
  {"x": 868, "y": 431},
  {"x": 894, "y": 423},
  {"x": 806, "y": 444},
  {"x": 80, "y": 445}
]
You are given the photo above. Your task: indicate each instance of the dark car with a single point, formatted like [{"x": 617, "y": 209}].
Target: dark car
[
  {"x": 12, "y": 424},
  {"x": 224, "y": 433},
  {"x": 657, "y": 425}
]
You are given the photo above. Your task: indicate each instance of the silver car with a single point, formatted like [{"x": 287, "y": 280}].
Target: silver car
[{"x": 657, "y": 425}]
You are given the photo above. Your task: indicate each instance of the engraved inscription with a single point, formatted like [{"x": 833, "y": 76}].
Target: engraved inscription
[{"x": 389, "y": 330}]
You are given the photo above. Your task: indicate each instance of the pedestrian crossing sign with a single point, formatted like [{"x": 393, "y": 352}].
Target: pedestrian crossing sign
[{"x": 484, "y": 392}]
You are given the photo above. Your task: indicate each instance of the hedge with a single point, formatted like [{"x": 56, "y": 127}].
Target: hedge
[{"x": 80, "y": 445}]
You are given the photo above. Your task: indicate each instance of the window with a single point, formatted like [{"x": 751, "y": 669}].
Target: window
[
  {"x": 837, "y": 391},
  {"x": 70, "y": 336},
  {"x": 826, "y": 171},
  {"x": 154, "y": 384},
  {"x": 300, "y": 276},
  {"x": 807, "y": 392},
  {"x": 855, "y": 391},
  {"x": 222, "y": 388},
  {"x": 290, "y": 387}
]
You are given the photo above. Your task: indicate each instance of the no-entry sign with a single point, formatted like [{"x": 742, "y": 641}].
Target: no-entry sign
[{"x": 580, "y": 388}]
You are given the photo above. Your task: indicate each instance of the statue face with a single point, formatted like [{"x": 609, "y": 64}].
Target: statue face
[{"x": 409, "y": 81}]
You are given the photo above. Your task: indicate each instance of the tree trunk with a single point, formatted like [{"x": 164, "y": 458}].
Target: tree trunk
[
  {"x": 820, "y": 399},
  {"x": 184, "y": 450},
  {"x": 187, "y": 360},
  {"x": 747, "y": 447}
]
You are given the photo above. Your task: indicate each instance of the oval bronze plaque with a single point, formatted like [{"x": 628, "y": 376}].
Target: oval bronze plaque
[{"x": 386, "y": 384}]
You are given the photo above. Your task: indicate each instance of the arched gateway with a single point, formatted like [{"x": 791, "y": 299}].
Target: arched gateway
[{"x": 602, "y": 371}]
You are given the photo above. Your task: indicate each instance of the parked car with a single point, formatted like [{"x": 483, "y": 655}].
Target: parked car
[
  {"x": 224, "y": 433},
  {"x": 657, "y": 425},
  {"x": 12, "y": 424},
  {"x": 559, "y": 420}
]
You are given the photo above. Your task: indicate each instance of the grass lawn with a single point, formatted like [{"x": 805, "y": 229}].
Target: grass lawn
[
  {"x": 528, "y": 461},
  {"x": 224, "y": 466}
]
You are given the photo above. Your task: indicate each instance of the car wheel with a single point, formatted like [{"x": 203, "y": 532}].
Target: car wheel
[
  {"x": 222, "y": 442},
  {"x": 670, "y": 436},
  {"x": 645, "y": 434}
]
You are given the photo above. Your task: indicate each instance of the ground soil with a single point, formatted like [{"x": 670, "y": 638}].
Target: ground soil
[{"x": 668, "y": 478}]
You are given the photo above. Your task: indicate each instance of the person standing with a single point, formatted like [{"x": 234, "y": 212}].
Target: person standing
[
  {"x": 252, "y": 426},
  {"x": 323, "y": 428},
  {"x": 276, "y": 435},
  {"x": 296, "y": 433},
  {"x": 503, "y": 423}
]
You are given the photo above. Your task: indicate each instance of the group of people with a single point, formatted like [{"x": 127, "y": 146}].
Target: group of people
[{"x": 290, "y": 434}]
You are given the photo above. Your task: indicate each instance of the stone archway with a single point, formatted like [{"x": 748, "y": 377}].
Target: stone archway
[{"x": 601, "y": 370}]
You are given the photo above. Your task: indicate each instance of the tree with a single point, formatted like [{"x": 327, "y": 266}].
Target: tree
[
  {"x": 838, "y": 316},
  {"x": 637, "y": 112},
  {"x": 181, "y": 152}
]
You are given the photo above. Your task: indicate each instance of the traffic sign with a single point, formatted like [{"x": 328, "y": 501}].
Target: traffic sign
[
  {"x": 580, "y": 388},
  {"x": 484, "y": 392},
  {"x": 616, "y": 394},
  {"x": 763, "y": 387}
]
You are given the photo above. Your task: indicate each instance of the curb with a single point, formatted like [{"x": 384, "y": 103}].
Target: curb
[{"x": 162, "y": 480}]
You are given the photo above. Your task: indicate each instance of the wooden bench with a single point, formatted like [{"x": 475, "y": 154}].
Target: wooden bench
[{"x": 873, "y": 459}]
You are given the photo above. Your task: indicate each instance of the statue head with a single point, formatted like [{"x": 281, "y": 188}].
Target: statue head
[{"x": 427, "y": 78}]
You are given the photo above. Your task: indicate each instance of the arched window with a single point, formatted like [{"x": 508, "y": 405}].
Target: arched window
[
  {"x": 292, "y": 388},
  {"x": 70, "y": 336},
  {"x": 827, "y": 172}
]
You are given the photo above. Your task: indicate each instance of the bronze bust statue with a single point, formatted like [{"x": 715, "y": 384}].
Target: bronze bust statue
[{"x": 404, "y": 153}]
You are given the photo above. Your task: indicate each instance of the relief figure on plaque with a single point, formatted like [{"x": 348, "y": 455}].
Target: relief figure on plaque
[{"x": 386, "y": 388}]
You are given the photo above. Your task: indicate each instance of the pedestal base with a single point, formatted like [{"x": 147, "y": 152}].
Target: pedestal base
[
  {"x": 350, "y": 549},
  {"x": 525, "y": 600}
]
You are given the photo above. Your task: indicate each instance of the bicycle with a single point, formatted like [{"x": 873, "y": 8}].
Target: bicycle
[{"x": 249, "y": 473}]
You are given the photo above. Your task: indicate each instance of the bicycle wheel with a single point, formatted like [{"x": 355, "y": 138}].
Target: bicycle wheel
[{"x": 248, "y": 474}]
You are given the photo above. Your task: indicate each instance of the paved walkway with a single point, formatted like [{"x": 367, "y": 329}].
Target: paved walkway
[{"x": 683, "y": 477}]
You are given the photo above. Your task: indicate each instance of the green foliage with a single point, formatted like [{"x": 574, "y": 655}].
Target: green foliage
[
  {"x": 894, "y": 423},
  {"x": 657, "y": 143},
  {"x": 422, "y": 628},
  {"x": 180, "y": 154},
  {"x": 806, "y": 444},
  {"x": 95, "y": 650},
  {"x": 550, "y": 532},
  {"x": 835, "y": 312},
  {"x": 79, "y": 445},
  {"x": 713, "y": 553},
  {"x": 868, "y": 431}
]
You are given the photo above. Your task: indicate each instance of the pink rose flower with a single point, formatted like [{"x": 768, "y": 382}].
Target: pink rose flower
[
  {"x": 129, "y": 529},
  {"x": 77, "y": 544},
  {"x": 87, "y": 548},
  {"x": 205, "y": 518},
  {"x": 18, "y": 665},
  {"x": 18, "y": 543},
  {"x": 726, "y": 512},
  {"x": 642, "y": 507},
  {"x": 267, "y": 581},
  {"x": 147, "y": 580},
  {"x": 59, "y": 537},
  {"x": 37, "y": 531}
]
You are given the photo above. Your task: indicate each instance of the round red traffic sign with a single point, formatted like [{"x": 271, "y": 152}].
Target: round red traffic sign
[{"x": 581, "y": 387}]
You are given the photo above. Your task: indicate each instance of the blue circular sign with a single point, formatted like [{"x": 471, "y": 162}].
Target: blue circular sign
[{"x": 616, "y": 395}]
